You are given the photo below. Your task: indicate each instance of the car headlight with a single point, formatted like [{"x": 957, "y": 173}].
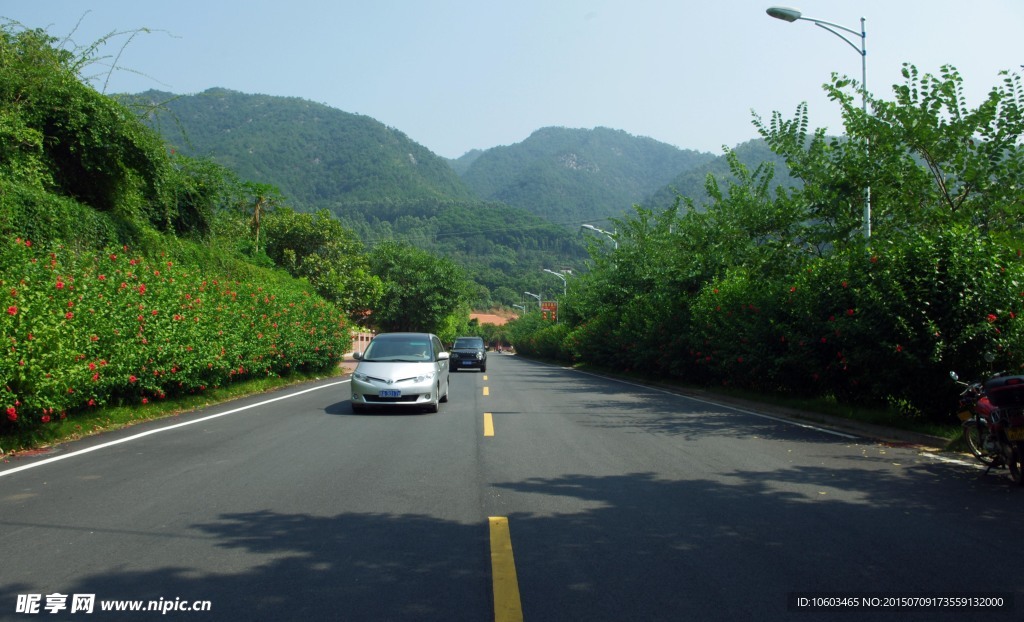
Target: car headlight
[
  {"x": 425, "y": 377},
  {"x": 361, "y": 377}
]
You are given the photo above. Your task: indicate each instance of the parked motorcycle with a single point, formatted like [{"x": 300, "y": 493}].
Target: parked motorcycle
[{"x": 992, "y": 416}]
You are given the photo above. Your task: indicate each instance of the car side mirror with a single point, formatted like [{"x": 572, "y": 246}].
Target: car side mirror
[{"x": 443, "y": 356}]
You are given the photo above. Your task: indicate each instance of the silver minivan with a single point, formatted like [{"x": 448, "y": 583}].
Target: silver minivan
[{"x": 401, "y": 370}]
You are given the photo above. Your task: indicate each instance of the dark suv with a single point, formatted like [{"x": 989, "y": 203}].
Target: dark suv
[{"x": 467, "y": 353}]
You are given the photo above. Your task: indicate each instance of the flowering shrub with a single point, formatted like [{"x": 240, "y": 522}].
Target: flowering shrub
[
  {"x": 883, "y": 326},
  {"x": 83, "y": 331},
  {"x": 867, "y": 328}
]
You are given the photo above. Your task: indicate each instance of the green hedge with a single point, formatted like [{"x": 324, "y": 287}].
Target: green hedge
[
  {"x": 879, "y": 327},
  {"x": 84, "y": 330}
]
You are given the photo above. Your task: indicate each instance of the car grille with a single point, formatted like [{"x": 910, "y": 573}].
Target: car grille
[{"x": 406, "y": 399}]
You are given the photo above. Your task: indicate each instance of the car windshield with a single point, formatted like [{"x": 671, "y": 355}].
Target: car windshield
[
  {"x": 411, "y": 350},
  {"x": 469, "y": 343}
]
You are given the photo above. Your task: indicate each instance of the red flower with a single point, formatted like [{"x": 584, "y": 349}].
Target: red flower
[
  {"x": 46, "y": 418},
  {"x": 60, "y": 284},
  {"x": 992, "y": 317},
  {"x": 12, "y": 413},
  {"x": 69, "y": 315},
  {"x": 132, "y": 379},
  {"x": 12, "y": 310}
]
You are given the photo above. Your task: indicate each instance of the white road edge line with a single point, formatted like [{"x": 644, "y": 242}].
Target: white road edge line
[
  {"x": 164, "y": 429},
  {"x": 720, "y": 405}
]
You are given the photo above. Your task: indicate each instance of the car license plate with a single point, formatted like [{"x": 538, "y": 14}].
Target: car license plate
[
  {"x": 467, "y": 362},
  {"x": 1015, "y": 434},
  {"x": 389, "y": 393}
]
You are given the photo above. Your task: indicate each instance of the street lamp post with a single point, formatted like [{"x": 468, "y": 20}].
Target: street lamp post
[
  {"x": 539, "y": 305},
  {"x": 565, "y": 283},
  {"x": 611, "y": 236},
  {"x": 791, "y": 15}
]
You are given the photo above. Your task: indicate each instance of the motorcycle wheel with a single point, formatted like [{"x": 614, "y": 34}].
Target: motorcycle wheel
[
  {"x": 1013, "y": 462},
  {"x": 975, "y": 435}
]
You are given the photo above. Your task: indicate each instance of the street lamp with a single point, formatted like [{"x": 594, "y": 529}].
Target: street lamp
[
  {"x": 565, "y": 283},
  {"x": 539, "y": 305},
  {"x": 611, "y": 236},
  {"x": 791, "y": 15}
]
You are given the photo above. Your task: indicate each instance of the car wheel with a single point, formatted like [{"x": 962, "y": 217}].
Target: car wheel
[{"x": 483, "y": 369}]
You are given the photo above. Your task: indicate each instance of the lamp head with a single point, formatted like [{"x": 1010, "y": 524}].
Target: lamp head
[{"x": 784, "y": 13}]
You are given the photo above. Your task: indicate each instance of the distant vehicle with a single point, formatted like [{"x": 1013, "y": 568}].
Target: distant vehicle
[
  {"x": 401, "y": 370},
  {"x": 469, "y": 353}
]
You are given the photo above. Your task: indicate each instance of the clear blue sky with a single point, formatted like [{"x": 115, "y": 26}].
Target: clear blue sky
[{"x": 455, "y": 75}]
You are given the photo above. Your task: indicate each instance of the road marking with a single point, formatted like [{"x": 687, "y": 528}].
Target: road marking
[
  {"x": 164, "y": 429},
  {"x": 488, "y": 424},
  {"x": 507, "y": 606},
  {"x": 487, "y": 391},
  {"x": 485, "y": 378}
]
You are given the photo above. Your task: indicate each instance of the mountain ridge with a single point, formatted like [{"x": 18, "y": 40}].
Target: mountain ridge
[{"x": 574, "y": 175}]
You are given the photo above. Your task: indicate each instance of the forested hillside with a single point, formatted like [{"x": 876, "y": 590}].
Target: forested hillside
[
  {"x": 372, "y": 178},
  {"x": 316, "y": 155},
  {"x": 576, "y": 175}
]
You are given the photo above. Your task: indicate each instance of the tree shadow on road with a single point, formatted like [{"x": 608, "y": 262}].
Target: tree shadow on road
[{"x": 633, "y": 546}]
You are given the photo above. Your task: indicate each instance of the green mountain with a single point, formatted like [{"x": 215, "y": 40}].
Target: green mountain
[
  {"x": 372, "y": 178},
  {"x": 316, "y": 155},
  {"x": 575, "y": 175}
]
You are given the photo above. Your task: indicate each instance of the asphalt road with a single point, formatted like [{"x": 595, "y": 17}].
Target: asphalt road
[{"x": 615, "y": 502}]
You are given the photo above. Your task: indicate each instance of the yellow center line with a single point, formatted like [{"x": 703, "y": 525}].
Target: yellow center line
[
  {"x": 507, "y": 606},
  {"x": 487, "y": 391},
  {"x": 488, "y": 424}
]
